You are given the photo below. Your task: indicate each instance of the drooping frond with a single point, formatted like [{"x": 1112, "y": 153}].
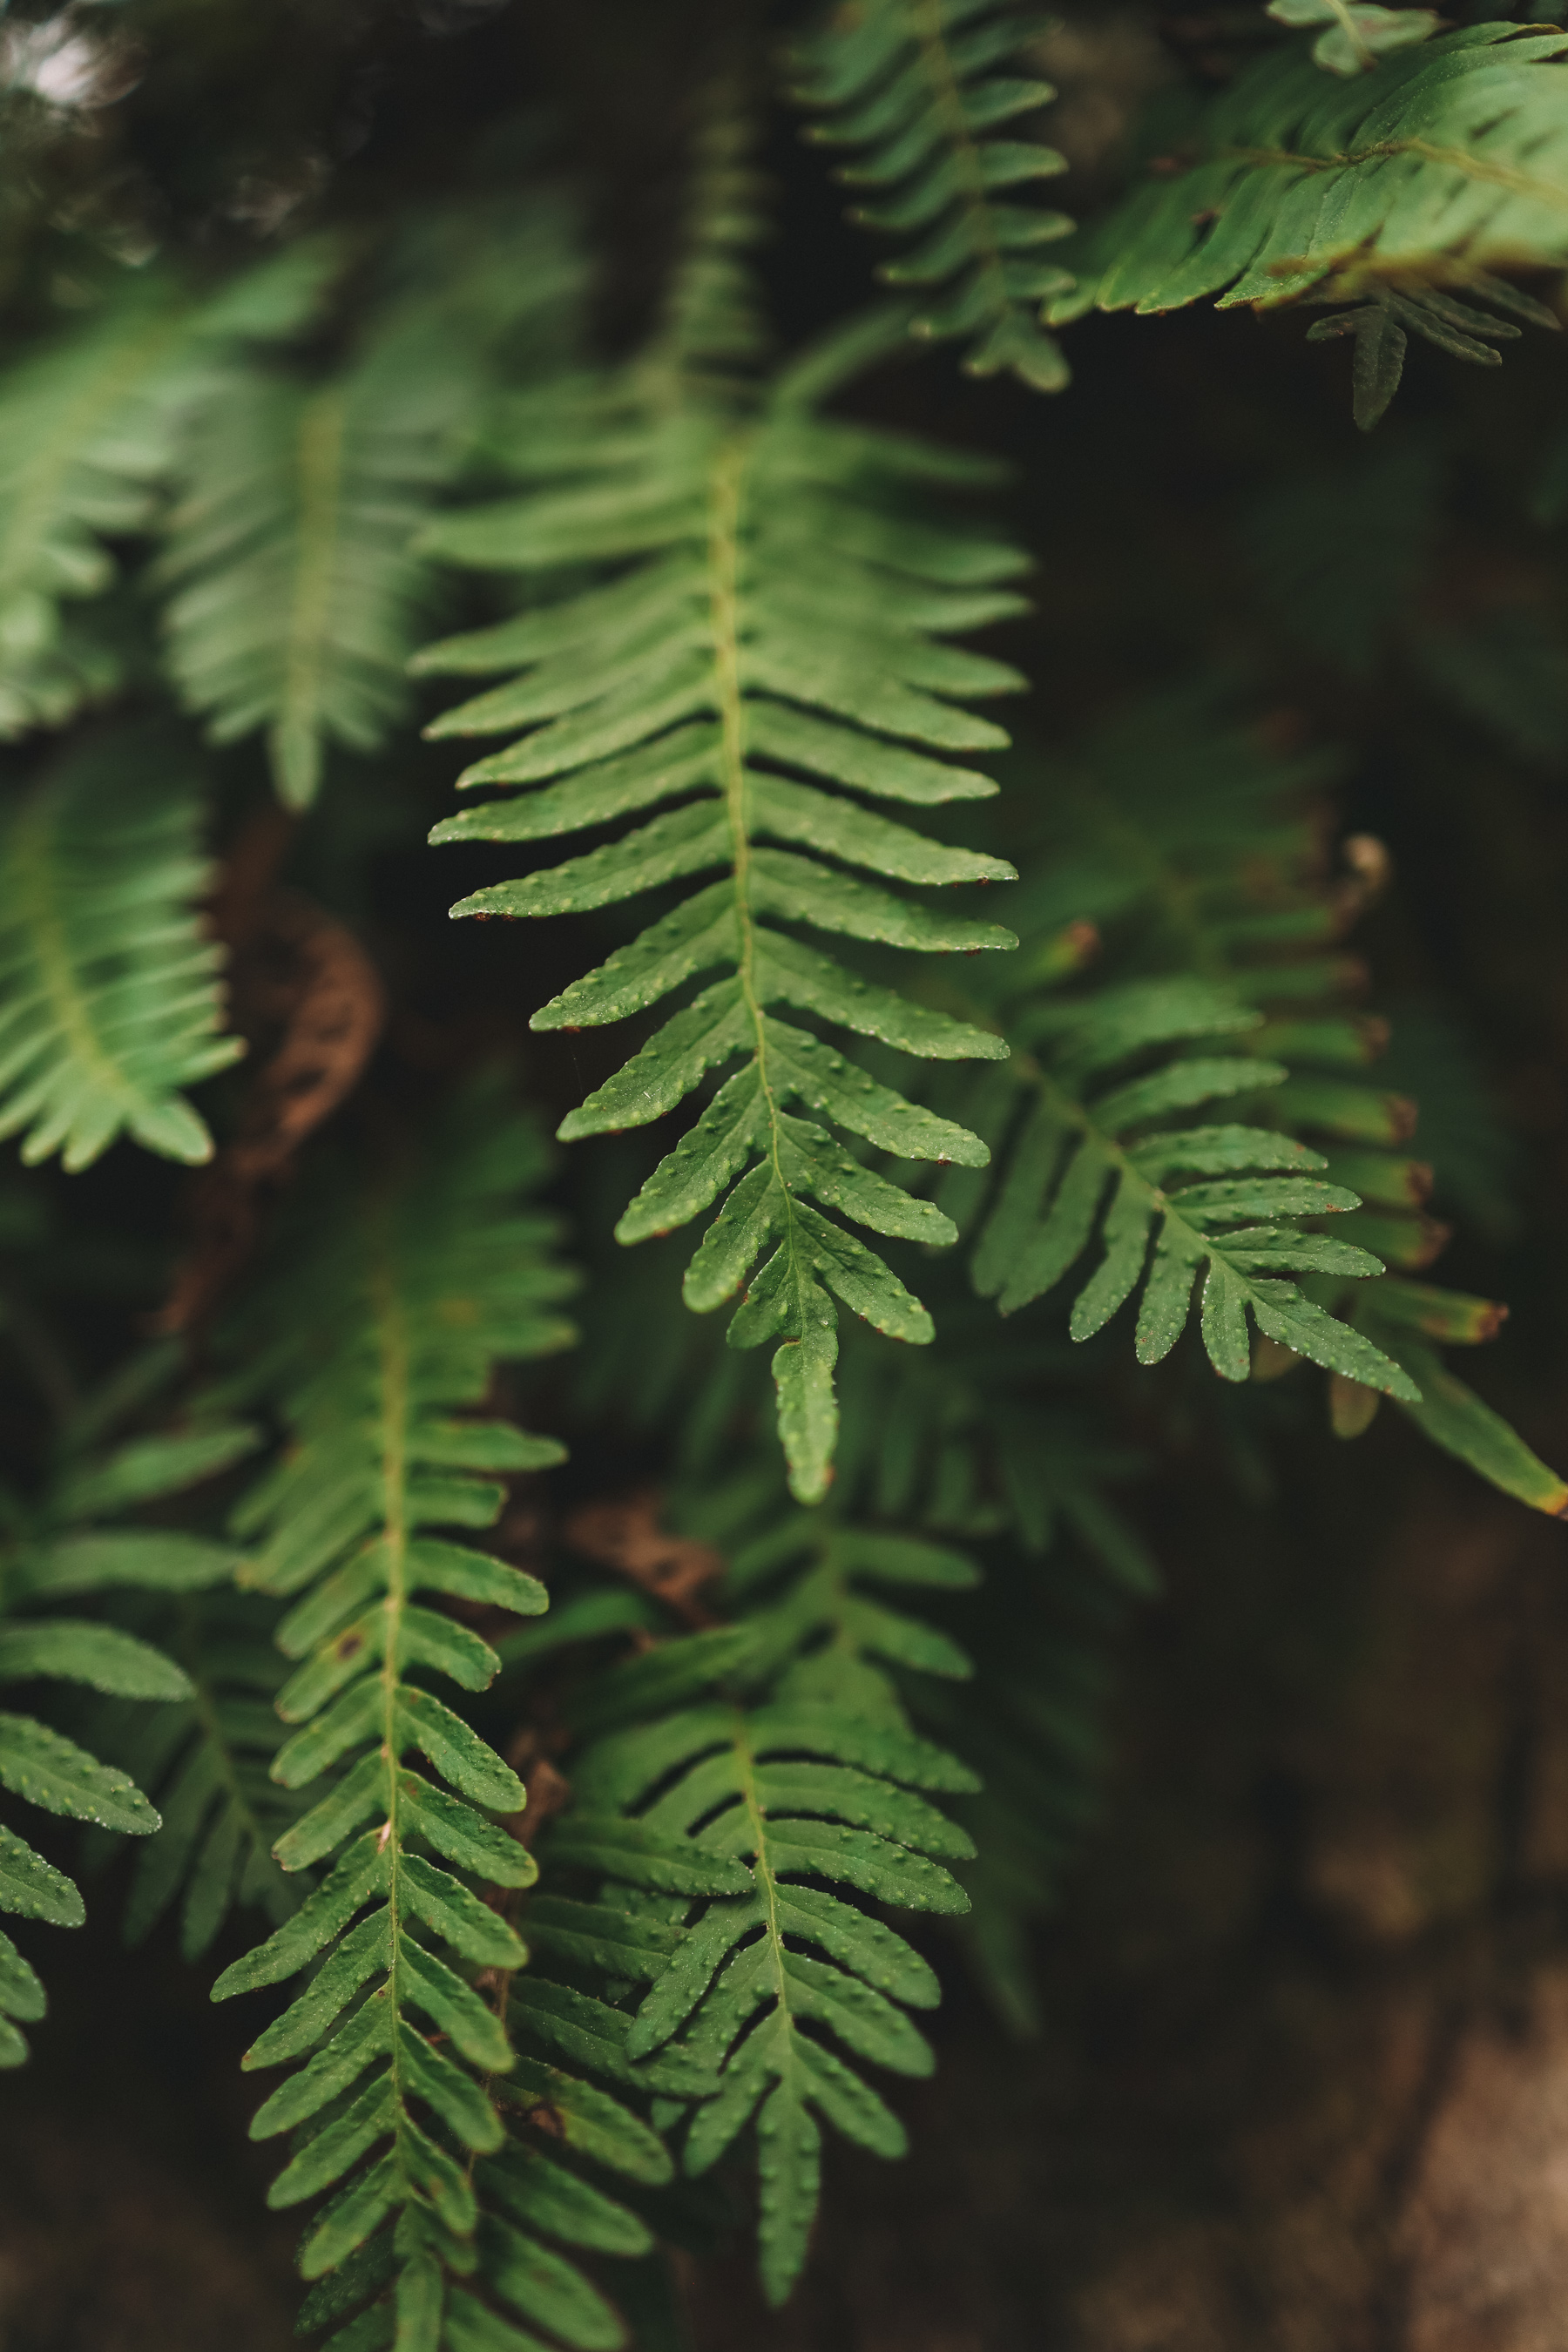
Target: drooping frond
[
  {"x": 109, "y": 997},
  {"x": 1104, "y": 1162},
  {"x": 1389, "y": 191},
  {"x": 1199, "y": 854},
  {"x": 917, "y": 88},
  {"x": 773, "y": 598},
  {"x": 805, "y": 1777},
  {"x": 88, "y": 429},
  {"x": 68, "y": 1548},
  {"x": 980, "y": 1439},
  {"x": 387, "y": 1328}
]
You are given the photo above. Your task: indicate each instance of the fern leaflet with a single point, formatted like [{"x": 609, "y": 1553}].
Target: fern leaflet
[
  {"x": 822, "y": 1781},
  {"x": 89, "y": 425},
  {"x": 1202, "y": 855},
  {"x": 297, "y": 601},
  {"x": 1097, "y": 1126},
  {"x": 205, "y": 1761},
  {"x": 393, "y": 1318},
  {"x": 917, "y": 87},
  {"x": 109, "y": 998},
  {"x": 1399, "y": 186},
  {"x": 776, "y": 617},
  {"x": 64, "y": 1548}
]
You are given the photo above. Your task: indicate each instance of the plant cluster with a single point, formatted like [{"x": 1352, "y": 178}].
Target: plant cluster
[{"x": 606, "y": 1765}]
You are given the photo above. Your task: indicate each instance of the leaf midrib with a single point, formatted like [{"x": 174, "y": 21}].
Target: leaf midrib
[
  {"x": 389, "y": 1322},
  {"x": 42, "y": 913},
  {"x": 726, "y": 511},
  {"x": 937, "y": 66}
]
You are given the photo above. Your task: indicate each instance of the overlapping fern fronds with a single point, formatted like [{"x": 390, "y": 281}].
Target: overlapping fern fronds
[
  {"x": 1199, "y": 852},
  {"x": 387, "y": 1327},
  {"x": 73, "y": 1546},
  {"x": 917, "y": 88},
  {"x": 773, "y": 598},
  {"x": 90, "y": 427},
  {"x": 296, "y": 597},
  {"x": 109, "y": 997},
  {"x": 797, "y": 1769},
  {"x": 1395, "y": 192}
]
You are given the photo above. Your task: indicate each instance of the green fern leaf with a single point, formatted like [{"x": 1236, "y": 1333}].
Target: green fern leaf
[
  {"x": 109, "y": 1001},
  {"x": 779, "y": 612},
  {"x": 1396, "y": 185},
  {"x": 392, "y": 1321},
  {"x": 1407, "y": 1320},
  {"x": 1198, "y": 851},
  {"x": 89, "y": 425},
  {"x": 297, "y": 603},
  {"x": 917, "y": 88},
  {"x": 206, "y": 1758},
  {"x": 824, "y": 1782},
  {"x": 1093, "y": 1144},
  {"x": 58, "y": 1549}
]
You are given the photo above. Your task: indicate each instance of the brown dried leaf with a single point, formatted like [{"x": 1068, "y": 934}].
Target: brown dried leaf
[
  {"x": 302, "y": 979},
  {"x": 627, "y": 1536}
]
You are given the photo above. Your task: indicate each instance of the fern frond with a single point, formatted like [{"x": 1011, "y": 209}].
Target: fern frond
[
  {"x": 779, "y": 614},
  {"x": 798, "y": 1765},
  {"x": 67, "y": 1548},
  {"x": 1200, "y": 853},
  {"x": 205, "y": 1759},
  {"x": 297, "y": 602},
  {"x": 88, "y": 428},
  {"x": 109, "y": 997},
  {"x": 918, "y": 88},
  {"x": 1400, "y": 186},
  {"x": 392, "y": 1323},
  {"x": 1097, "y": 1126}
]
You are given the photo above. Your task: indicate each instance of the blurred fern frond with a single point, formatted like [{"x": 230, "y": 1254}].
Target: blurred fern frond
[
  {"x": 917, "y": 88},
  {"x": 110, "y": 1002},
  {"x": 72, "y": 1545},
  {"x": 1395, "y": 192}
]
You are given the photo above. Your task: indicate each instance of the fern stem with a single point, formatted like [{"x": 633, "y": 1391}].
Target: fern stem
[
  {"x": 1469, "y": 166},
  {"x": 725, "y": 564},
  {"x": 937, "y": 66},
  {"x": 391, "y": 1326}
]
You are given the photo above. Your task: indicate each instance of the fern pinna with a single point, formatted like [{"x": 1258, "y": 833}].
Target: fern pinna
[
  {"x": 205, "y": 1759},
  {"x": 1200, "y": 853},
  {"x": 797, "y": 1772},
  {"x": 73, "y": 1545},
  {"x": 91, "y": 426},
  {"x": 780, "y": 590},
  {"x": 1396, "y": 192},
  {"x": 392, "y": 1319},
  {"x": 913, "y": 88},
  {"x": 109, "y": 997}
]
